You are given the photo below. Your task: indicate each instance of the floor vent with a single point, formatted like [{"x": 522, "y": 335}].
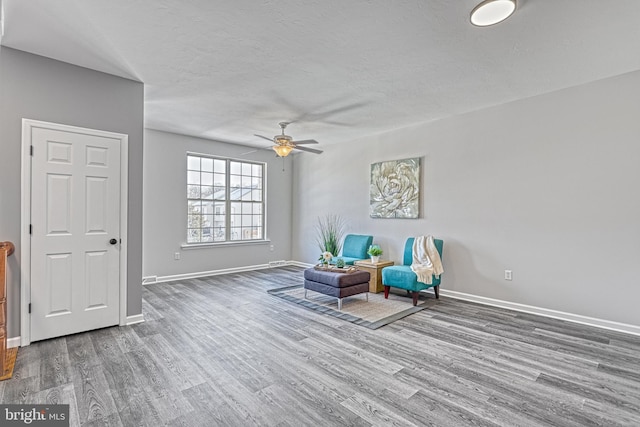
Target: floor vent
[
  {"x": 149, "y": 279},
  {"x": 277, "y": 263}
]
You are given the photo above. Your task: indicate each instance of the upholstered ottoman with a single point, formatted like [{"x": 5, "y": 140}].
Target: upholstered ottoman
[{"x": 339, "y": 285}]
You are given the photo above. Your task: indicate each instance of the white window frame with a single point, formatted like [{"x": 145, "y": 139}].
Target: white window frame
[{"x": 227, "y": 202}]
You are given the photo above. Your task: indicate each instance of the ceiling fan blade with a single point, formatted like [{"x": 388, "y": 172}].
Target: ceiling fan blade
[
  {"x": 310, "y": 150},
  {"x": 305, "y": 141},
  {"x": 264, "y": 137}
]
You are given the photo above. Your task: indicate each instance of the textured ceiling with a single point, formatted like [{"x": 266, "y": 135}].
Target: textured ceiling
[{"x": 227, "y": 69}]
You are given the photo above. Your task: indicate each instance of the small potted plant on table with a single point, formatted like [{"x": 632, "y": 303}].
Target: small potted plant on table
[{"x": 375, "y": 251}]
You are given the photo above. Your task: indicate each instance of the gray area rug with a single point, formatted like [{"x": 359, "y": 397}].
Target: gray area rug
[{"x": 372, "y": 314}]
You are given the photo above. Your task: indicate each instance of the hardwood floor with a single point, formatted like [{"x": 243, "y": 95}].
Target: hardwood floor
[{"x": 221, "y": 351}]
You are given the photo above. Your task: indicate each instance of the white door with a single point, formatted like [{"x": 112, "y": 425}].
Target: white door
[{"x": 75, "y": 243}]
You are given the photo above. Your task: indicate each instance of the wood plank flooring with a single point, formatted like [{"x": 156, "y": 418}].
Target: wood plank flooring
[{"x": 220, "y": 351}]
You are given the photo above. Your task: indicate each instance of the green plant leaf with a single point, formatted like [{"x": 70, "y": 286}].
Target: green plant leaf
[{"x": 330, "y": 231}]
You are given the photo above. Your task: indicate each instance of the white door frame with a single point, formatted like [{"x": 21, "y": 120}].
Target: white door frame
[{"x": 25, "y": 207}]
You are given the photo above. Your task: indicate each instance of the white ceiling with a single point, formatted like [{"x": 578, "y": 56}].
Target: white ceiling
[{"x": 227, "y": 69}]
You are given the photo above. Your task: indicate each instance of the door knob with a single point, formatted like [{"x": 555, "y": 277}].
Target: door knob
[{"x": 113, "y": 241}]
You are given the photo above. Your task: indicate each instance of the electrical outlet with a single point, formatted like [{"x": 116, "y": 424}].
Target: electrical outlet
[
  {"x": 271, "y": 248},
  {"x": 507, "y": 275},
  {"x": 176, "y": 256}
]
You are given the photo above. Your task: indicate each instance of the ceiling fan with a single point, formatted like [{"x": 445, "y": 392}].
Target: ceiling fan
[{"x": 285, "y": 143}]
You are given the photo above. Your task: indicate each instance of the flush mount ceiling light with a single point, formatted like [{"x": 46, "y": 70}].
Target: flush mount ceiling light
[{"x": 490, "y": 12}]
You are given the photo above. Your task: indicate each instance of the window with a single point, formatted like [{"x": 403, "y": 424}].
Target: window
[{"x": 225, "y": 200}]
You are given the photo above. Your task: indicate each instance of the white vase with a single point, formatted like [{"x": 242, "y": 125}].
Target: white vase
[{"x": 375, "y": 259}]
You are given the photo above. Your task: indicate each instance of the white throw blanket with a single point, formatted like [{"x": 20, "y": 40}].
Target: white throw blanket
[{"x": 426, "y": 259}]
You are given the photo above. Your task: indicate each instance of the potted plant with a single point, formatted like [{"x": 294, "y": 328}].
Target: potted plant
[
  {"x": 375, "y": 251},
  {"x": 330, "y": 231}
]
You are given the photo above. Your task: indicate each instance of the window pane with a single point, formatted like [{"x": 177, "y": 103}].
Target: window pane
[
  {"x": 246, "y": 195},
  {"x": 194, "y": 221},
  {"x": 246, "y": 169},
  {"x": 256, "y": 232},
  {"x": 235, "y": 168},
  {"x": 235, "y": 181},
  {"x": 219, "y": 209},
  {"x": 235, "y": 194},
  {"x": 219, "y": 179},
  {"x": 236, "y": 208},
  {"x": 243, "y": 192},
  {"x": 193, "y": 236},
  {"x": 219, "y": 166},
  {"x": 235, "y": 214},
  {"x": 193, "y": 177},
  {"x": 256, "y": 195},
  {"x": 207, "y": 221},
  {"x": 257, "y": 208},
  {"x": 256, "y": 220},
  {"x": 206, "y": 192},
  {"x": 246, "y": 181},
  {"x": 206, "y": 178},
  {"x": 246, "y": 208},
  {"x": 256, "y": 182},
  {"x": 207, "y": 165},
  {"x": 219, "y": 193},
  {"x": 194, "y": 206},
  {"x": 246, "y": 233},
  {"x": 256, "y": 170},
  {"x": 193, "y": 191},
  {"x": 193, "y": 163},
  {"x": 207, "y": 235},
  {"x": 218, "y": 234},
  {"x": 235, "y": 233},
  {"x": 246, "y": 220},
  {"x": 236, "y": 220},
  {"x": 207, "y": 207}
]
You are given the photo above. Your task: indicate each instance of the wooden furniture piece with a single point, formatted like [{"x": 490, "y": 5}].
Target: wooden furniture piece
[
  {"x": 7, "y": 356},
  {"x": 339, "y": 285},
  {"x": 375, "y": 271}
]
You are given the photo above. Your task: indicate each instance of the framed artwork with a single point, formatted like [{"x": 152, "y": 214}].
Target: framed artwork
[{"x": 395, "y": 189}]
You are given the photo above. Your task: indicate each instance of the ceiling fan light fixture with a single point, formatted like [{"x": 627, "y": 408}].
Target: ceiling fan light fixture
[
  {"x": 282, "y": 150},
  {"x": 491, "y": 12},
  {"x": 282, "y": 139}
]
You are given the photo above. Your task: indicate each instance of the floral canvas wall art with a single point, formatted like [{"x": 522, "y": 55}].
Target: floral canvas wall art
[{"x": 395, "y": 189}]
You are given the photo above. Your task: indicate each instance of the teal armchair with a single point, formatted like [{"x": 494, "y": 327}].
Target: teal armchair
[
  {"x": 354, "y": 248},
  {"x": 401, "y": 276}
]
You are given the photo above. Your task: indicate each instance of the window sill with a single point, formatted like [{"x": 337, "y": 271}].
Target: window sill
[{"x": 189, "y": 246}]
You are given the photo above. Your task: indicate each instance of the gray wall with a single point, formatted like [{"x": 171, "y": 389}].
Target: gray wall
[
  {"x": 39, "y": 88},
  {"x": 545, "y": 186},
  {"x": 165, "y": 208}
]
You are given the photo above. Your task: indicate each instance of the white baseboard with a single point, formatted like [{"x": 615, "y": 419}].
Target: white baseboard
[
  {"x": 136, "y": 318},
  {"x": 149, "y": 280},
  {"x": 300, "y": 264},
  {"x": 162, "y": 279},
  {"x": 131, "y": 320},
  {"x": 561, "y": 315}
]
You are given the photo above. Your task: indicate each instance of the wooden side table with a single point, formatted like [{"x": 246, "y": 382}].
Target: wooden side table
[{"x": 375, "y": 271}]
